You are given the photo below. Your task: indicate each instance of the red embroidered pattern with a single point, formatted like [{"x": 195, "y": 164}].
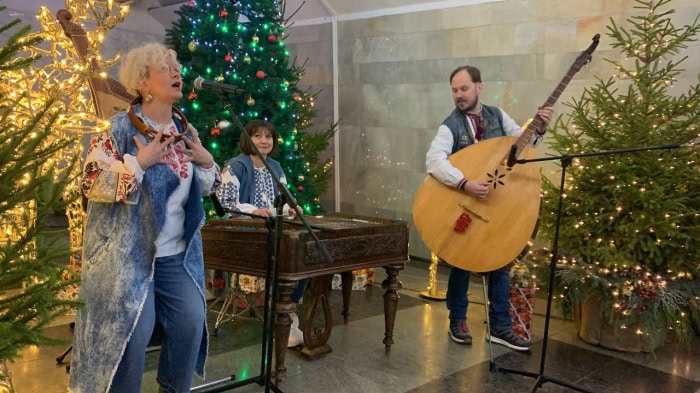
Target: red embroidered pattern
[
  {"x": 176, "y": 159},
  {"x": 102, "y": 150},
  {"x": 126, "y": 185},
  {"x": 90, "y": 174}
]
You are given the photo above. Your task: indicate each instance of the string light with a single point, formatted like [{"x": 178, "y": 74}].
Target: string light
[
  {"x": 63, "y": 81},
  {"x": 636, "y": 204}
]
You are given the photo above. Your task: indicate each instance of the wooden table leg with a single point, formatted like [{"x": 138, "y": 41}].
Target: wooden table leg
[
  {"x": 346, "y": 279},
  {"x": 316, "y": 338},
  {"x": 391, "y": 300},
  {"x": 283, "y": 322}
]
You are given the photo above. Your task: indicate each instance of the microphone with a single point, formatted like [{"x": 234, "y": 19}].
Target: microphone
[
  {"x": 201, "y": 83},
  {"x": 217, "y": 205},
  {"x": 512, "y": 155}
]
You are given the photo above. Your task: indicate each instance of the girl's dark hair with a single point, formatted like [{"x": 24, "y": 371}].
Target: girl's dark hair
[{"x": 253, "y": 127}]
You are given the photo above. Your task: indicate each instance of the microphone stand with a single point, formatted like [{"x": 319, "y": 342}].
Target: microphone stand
[
  {"x": 540, "y": 377},
  {"x": 274, "y": 228}
]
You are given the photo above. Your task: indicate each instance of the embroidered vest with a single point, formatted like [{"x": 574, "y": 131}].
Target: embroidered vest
[
  {"x": 457, "y": 123},
  {"x": 242, "y": 167}
]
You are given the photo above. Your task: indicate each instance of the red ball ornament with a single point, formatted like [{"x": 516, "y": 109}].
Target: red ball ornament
[
  {"x": 223, "y": 13},
  {"x": 215, "y": 131},
  {"x": 300, "y": 188},
  {"x": 272, "y": 38},
  {"x": 228, "y": 58},
  {"x": 297, "y": 97},
  {"x": 191, "y": 4},
  {"x": 260, "y": 74},
  {"x": 192, "y": 96}
]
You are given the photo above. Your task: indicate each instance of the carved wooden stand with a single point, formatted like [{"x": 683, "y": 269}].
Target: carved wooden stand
[{"x": 316, "y": 339}]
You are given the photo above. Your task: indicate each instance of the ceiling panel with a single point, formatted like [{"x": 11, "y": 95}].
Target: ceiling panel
[
  {"x": 342, "y": 7},
  {"x": 309, "y": 11}
]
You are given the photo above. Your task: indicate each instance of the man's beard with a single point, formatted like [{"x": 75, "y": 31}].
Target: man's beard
[{"x": 468, "y": 108}]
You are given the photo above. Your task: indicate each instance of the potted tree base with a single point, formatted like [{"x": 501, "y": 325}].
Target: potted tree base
[{"x": 594, "y": 329}]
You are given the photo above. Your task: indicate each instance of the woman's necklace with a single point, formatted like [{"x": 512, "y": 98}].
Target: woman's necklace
[
  {"x": 154, "y": 124},
  {"x": 158, "y": 126}
]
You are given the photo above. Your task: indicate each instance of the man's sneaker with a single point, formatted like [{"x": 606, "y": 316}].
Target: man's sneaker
[
  {"x": 459, "y": 332},
  {"x": 510, "y": 340}
]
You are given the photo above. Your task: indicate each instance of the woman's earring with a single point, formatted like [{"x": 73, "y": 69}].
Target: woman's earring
[{"x": 148, "y": 97}]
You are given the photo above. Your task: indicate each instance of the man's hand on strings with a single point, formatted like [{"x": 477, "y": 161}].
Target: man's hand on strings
[
  {"x": 545, "y": 113},
  {"x": 477, "y": 189}
]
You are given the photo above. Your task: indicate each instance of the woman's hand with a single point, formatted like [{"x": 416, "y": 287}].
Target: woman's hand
[
  {"x": 152, "y": 153},
  {"x": 293, "y": 213},
  {"x": 263, "y": 212},
  {"x": 195, "y": 152}
]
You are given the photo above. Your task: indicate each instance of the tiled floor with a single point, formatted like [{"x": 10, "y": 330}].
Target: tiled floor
[{"x": 422, "y": 360}]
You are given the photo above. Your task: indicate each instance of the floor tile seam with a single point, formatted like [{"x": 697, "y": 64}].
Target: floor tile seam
[
  {"x": 619, "y": 356},
  {"x": 671, "y": 375}
]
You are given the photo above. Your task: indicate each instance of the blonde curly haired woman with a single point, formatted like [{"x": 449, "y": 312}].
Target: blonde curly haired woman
[{"x": 142, "y": 253}]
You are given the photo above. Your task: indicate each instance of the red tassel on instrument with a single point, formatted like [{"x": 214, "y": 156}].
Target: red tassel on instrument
[{"x": 462, "y": 223}]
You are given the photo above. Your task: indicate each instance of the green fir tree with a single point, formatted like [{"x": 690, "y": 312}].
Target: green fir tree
[
  {"x": 30, "y": 278},
  {"x": 242, "y": 44},
  {"x": 629, "y": 231}
]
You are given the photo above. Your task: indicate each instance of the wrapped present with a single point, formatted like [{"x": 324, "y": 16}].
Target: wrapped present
[
  {"x": 370, "y": 275},
  {"x": 522, "y": 297},
  {"x": 360, "y": 279},
  {"x": 219, "y": 282},
  {"x": 359, "y": 282},
  {"x": 252, "y": 284},
  {"x": 337, "y": 282}
]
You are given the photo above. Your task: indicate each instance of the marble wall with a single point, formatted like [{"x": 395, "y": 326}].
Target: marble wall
[
  {"x": 394, "y": 82},
  {"x": 312, "y": 47}
]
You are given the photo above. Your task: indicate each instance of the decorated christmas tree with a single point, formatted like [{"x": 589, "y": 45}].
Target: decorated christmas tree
[
  {"x": 31, "y": 190},
  {"x": 242, "y": 44},
  {"x": 629, "y": 230}
]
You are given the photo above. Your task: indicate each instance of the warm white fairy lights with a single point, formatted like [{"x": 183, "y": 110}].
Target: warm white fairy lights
[{"x": 63, "y": 82}]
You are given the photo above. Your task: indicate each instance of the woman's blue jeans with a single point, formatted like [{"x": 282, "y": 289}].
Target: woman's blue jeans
[
  {"x": 498, "y": 293},
  {"x": 174, "y": 301}
]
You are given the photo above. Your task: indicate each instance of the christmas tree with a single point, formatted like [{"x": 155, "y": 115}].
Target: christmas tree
[
  {"x": 242, "y": 44},
  {"x": 30, "y": 190},
  {"x": 629, "y": 230}
]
